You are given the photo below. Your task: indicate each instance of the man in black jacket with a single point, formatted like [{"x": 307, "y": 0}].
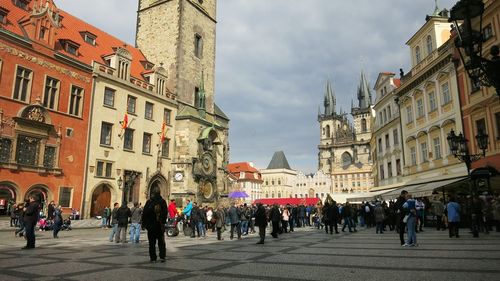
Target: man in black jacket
[
  {"x": 400, "y": 212},
  {"x": 31, "y": 213},
  {"x": 275, "y": 217},
  {"x": 153, "y": 219},
  {"x": 261, "y": 222},
  {"x": 122, "y": 215}
]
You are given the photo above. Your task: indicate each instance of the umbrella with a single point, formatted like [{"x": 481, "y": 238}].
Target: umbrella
[{"x": 238, "y": 194}]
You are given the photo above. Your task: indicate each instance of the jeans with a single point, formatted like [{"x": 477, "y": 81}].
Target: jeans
[
  {"x": 104, "y": 222},
  {"x": 113, "y": 232},
  {"x": 244, "y": 227},
  {"x": 380, "y": 227},
  {"x": 347, "y": 222},
  {"x": 412, "y": 235},
  {"x": 135, "y": 232},
  {"x": 121, "y": 231},
  {"x": 201, "y": 229}
]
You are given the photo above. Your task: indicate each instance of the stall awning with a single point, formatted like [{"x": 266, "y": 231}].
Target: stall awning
[
  {"x": 422, "y": 189},
  {"x": 286, "y": 201},
  {"x": 368, "y": 196}
]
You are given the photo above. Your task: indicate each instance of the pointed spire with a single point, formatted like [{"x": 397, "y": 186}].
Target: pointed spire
[
  {"x": 364, "y": 94},
  {"x": 328, "y": 102},
  {"x": 333, "y": 99}
]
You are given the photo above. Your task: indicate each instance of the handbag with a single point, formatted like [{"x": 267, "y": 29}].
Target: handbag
[{"x": 405, "y": 219}]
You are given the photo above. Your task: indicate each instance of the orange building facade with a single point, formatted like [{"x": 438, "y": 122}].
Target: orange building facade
[
  {"x": 480, "y": 105},
  {"x": 45, "y": 96}
]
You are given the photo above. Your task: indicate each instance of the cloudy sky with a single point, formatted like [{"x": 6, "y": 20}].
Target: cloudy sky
[{"x": 274, "y": 57}]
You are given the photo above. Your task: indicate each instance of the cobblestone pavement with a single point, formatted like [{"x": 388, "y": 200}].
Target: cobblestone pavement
[{"x": 307, "y": 254}]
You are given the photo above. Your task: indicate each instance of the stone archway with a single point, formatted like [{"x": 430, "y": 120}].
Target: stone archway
[
  {"x": 158, "y": 183},
  {"x": 8, "y": 196},
  {"x": 101, "y": 198},
  {"x": 42, "y": 192}
]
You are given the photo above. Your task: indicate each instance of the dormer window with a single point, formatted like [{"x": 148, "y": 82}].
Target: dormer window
[
  {"x": 89, "y": 38},
  {"x": 70, "y": 47},
  {"x": 3, "y": 15},
  {"x": 160, "y": 86},
  {"x": 43, "y": 33},
  {"x": 23, "y": 4},
  {"x": 123, "y": 69}
]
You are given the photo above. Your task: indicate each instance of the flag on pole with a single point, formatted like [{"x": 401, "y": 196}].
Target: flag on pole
[
  {"x": 163, "y": 132},
  {"x": 124, "y": 123}
]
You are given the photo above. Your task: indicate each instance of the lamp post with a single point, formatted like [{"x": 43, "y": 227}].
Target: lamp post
[
  {"x": 129, "y": 181},
  {"x": 481, "y": 70},
  {"x": 459, "y": 149}
]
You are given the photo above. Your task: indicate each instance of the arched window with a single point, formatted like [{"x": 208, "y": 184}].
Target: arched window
[
  {"x": 363, "y": 125},
  {"x": 418, "y": 56},
  {"x": 327, "y": 131},
  {"x": 346, "y": 159},
  {"x": 429, "y": 44}
]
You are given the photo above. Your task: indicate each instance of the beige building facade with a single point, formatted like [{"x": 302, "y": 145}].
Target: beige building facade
[{"x": 278, "y": 179}]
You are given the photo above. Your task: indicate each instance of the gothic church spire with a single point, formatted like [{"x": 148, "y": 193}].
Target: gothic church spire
[{"x": 364, "y": 94}]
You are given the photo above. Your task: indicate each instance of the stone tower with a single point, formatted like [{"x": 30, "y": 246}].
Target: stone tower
[{"x": 180, "y": 35}]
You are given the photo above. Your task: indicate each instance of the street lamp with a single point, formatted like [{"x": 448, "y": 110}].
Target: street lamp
[
  {"x": 129, "y": 181},
  {"x": 480, "y": 69},
  {"x": 459, "y": 149}
]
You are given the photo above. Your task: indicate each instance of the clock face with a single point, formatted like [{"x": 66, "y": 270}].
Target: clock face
[
  {"x": 207, "y": 190},
  {"x": 178, "y": 176},
  {"x": 207, "y": 164}
]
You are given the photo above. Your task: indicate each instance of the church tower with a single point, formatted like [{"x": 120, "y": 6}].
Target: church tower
[{"x": 180, "y": 36}]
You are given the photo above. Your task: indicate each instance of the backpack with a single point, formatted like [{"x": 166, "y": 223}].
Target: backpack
[{"x": 157, "y": 211}]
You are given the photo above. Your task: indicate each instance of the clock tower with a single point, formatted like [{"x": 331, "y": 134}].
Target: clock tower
[{"x": 180, "y": 36}]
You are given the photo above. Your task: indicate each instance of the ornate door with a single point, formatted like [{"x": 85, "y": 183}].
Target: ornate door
[{"x": 101, "y": 198}]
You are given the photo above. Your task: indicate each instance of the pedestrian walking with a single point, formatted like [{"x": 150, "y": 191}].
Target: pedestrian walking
[
  {"x": 261, "y": 222},
  {"x": 275, "y": 217},
  {"x": 122, "y": 216},
  {"x": 106, "y": 213},
  {"x": 453, "y": 215},
  {"x": 411, "y": 221},
  {"x": 154, "y": 216},
  {"x": 379, "y": 214},
  {"x": 58, "y": 221},
  {"x": 220, "y": 220},
  {"x": 31, "y": 213},
  {"x": 135, "y": 223},
  {"x": 400, "y": 213},
  {"x": 114, "y": 222},
  {"x": 234, "y": 218}
]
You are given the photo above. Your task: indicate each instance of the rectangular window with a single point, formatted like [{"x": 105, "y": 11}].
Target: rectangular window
[
  {"x": 382, "y": 174},
  {"x": 198, "y": 45},
  {"x": 475, "y": 85},
  {"x": 425, "y": 152},
  {"x": 148, "y": 111},
  {"x": 437, "y": 147},
  {"x": 23, "y": 4},
  {"x": 420, "y": 108},
  {"x": 109, "y": 97},
  {"x": 379, "y": 145},
  {"x": 432, "y": 101},
  {"x": 398, "y": 167},
  {"x": 409, "y": 114},
  {"x": 487, "y": 32},
  {"x": 106, "y": 130},
  {"x": 389, "y": 112},
  {"x": 104, "y": 169},
  {"x": 445, "y": 89},
  {"x": 5, "y": 150},
  {"x": 497, "y": 121},
  {"x": 49, "y": 157},
  {"x": 65, "y": 197},
  {"x": 146, "y": 143},
  {"x": 165, "y": 146},
  {"x": 395, "y": 136},
  {"x": 131, "y": 102},
  {"x": 75, "y": 101},
  {"x": 128, "y": 139},
  {"x": 166, "y": 116},
  {"x": 43, "y": 32},
  {"x": 51, "y": 93},
  {"x": 480, "y": 126},
  {"x": 381, "y": 120},
  {"x": 389, "y": 169},
  {"x": 387, "y": 142},
  {"x": 71, "y": 48},
  {"x": 27, "y": 150},
  {"x": 89, "y": 39},
  {"x": 22, "y": 86},
  {"x": 413, "y": 156}
]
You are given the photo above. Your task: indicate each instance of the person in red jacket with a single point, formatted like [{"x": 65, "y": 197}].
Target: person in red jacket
[{"x": 172, "y": 209}]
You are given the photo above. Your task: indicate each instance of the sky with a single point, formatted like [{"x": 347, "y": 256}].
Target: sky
[{"x": 274, "y": 57}]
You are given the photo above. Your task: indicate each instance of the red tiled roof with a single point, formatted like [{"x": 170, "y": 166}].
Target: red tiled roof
[
  {"x": 73, "y": 29},
  {"x": 241, "y": 167}
]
